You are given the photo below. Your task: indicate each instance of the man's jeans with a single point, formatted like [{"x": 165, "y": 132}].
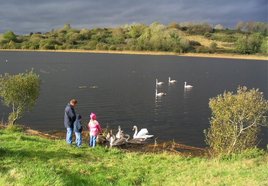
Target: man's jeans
[
  {"x": 92, "y": 142},
  {"x": 78, "y": 139},
  {"x": 69, "y": 135}
]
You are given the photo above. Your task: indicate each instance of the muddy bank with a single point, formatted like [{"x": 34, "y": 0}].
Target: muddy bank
[
  {"x": 207, "y": 55},
  {"x": 149, "y": 146}
]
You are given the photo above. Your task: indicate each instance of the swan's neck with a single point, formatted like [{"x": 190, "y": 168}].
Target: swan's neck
[
  {"x": 135, "y": 133},
  {"x": 185, "y": 84},
  {"x": 128, "y": 136}
]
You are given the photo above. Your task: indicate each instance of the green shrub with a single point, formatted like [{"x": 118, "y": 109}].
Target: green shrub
[
  {"x": 9, "y": 36},
  {"x": 19, "y": 92},
  {"x": 249, "y": 44},
  {"x": 236, "y": 120},
  {"x": 264, "y": 46},
  {"x": 213, "y": 47}
]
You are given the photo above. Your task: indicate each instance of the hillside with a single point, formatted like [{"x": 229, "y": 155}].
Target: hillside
[{"x": 176, "y": 37}]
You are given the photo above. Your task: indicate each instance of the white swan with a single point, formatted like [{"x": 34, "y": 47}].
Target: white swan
[
  {"x": 158, "y": 83},
  {"x": 119, "y": 134},
  {"x": 135, "y": 140},
  {"x": 171, "y": 81},
  {"x": 159, "y": 94},
  {"x": 143, "y": 133},
  {"x": 82, "y": 87},
  {"x": 120, "y": 141},
  {"x": 187, "y": 86}
]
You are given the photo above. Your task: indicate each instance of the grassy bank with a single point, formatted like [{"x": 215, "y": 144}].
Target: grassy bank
[{"x": 33, "y": 160}]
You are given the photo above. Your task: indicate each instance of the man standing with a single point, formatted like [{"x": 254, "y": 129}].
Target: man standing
[{"x": 69, "y": 119}]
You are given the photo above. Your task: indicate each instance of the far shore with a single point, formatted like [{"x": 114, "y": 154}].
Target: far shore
[{"x": 206, "y": 55}]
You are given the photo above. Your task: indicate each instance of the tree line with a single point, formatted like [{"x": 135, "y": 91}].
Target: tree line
[{"x": 246, "y": 38}]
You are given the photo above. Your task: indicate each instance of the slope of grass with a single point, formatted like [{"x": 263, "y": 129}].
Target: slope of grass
[
  {"x": 31, "y": 160},
  {"x": 207, "y": 42}
]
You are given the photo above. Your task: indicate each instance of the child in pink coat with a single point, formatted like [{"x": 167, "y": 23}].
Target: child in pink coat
[{"x": 94, "y": 129}]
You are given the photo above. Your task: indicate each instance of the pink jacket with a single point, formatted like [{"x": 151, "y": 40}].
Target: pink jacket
[{"x": 94, "y": 127}]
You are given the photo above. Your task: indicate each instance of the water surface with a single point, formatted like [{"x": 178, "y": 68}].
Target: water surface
[{"x": 120, "y": 89}]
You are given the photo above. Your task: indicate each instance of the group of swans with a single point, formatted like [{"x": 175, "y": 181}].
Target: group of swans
[
  {"x": 159, "y": 83},
  {"x": 120, "y": 138},
  {"x": 158, "y": 94},
  {"x": 170, "y": 81}
]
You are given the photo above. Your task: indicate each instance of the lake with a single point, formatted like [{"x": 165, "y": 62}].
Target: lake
[{"x": 120, "y": 89}]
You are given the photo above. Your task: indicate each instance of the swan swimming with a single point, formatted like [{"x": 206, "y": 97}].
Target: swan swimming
[
  {"x": 171, "y": 81},
  {"x": 135, "y": 140},
  {"x": 143, "y": 133},
  {"x": 187, "y": 86},
  {"x": 158, "y": 83},
  {"x": 159, "y": 94}
]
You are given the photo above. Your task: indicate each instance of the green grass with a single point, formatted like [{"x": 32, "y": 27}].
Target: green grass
[{"x": 31, "y": 160}]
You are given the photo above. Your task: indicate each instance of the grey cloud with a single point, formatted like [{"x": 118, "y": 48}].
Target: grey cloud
[{"x": 24, "y": 16}]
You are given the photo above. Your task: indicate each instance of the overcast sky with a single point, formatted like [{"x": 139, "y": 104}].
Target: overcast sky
[{"x": 24, "y": 16}]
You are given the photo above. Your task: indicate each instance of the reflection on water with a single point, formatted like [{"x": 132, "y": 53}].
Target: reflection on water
[
  {"x": 157, "y": 108},
  {"x": 121, "y": 90},
  {"x": 187, "y": 93}
]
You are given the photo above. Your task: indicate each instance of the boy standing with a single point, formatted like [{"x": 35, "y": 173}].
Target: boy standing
[{"x": 78, "y": 131}]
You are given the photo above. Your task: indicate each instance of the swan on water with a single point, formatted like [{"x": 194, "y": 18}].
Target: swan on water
[
  {"x": 187, "y": 86},
  {"x": 81, "y": 87},
  {"x": 158, "y": 82},
  {"x": 135, "y": 140},
  {"x": 143, "y": 133},
  {"x": 171, "y": 80},
  {"x": 159, "y": 94}
]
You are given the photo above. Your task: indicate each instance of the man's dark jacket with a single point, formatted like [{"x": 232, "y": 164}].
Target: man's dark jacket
[{"x": 69, "y": 116}]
